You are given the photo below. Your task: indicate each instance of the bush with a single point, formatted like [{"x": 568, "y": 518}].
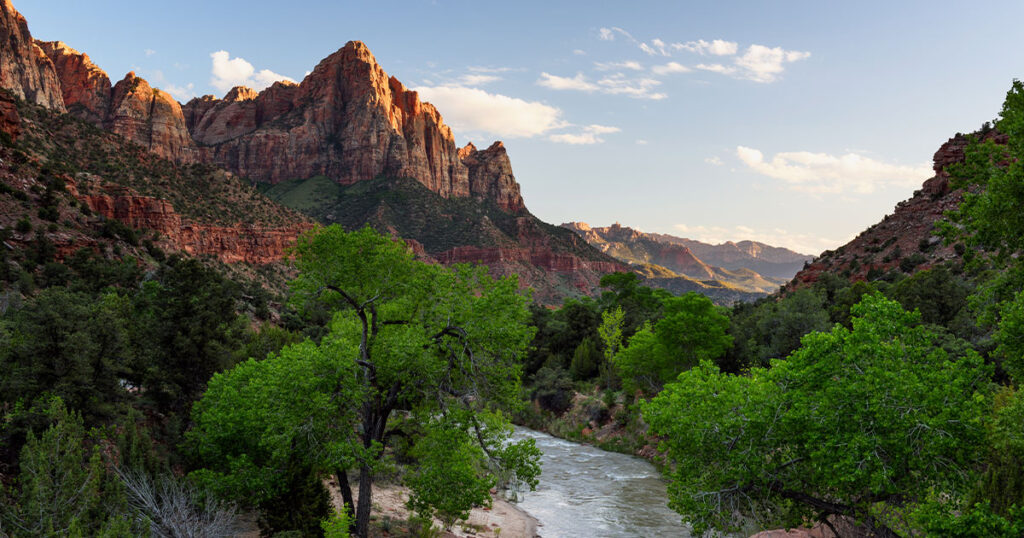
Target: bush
[{"x": 24, "y": 225}]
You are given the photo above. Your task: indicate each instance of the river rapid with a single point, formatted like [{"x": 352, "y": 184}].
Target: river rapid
[{"x": 585, "y": 492}]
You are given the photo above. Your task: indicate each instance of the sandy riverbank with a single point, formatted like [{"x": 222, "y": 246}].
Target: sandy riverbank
[{"x": 503, "y": 519}]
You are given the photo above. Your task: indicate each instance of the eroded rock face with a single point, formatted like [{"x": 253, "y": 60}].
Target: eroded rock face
[
  {"x": 149, "y": 117},
  {"x": 490, "y": 176},
  {"x": 10, "y": 120},
  {"x": 84, "y": 87},
  {"x": 348, "y": 120},
  {"x": 230, "y": 244},
  {"x": 24, "y": 67}
]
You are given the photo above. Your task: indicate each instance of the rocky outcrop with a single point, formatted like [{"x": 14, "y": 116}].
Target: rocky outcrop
[
  {"x": 490, "y": 176},
  {"x": 230, "y": 244},
  {"x": 905, "y": 240},
  {"x": 10, "y": 120},
  {"x": 24, "y": 67},
  {"x": 348, "y": 120},
  {"x": 84, "y": 87},
  {"x": 149, "y": 117}
]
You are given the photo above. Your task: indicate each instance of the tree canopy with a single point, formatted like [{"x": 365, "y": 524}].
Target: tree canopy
[
  {"x": 438, "y": 347},
  {"x": 854, "y": 420}
]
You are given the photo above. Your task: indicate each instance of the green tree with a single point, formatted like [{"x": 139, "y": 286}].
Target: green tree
[
  {"x": 441, "y": 345},
  {"x": 691, "y": 330},
  {"x": 586, "y": 360},
  {"x": 852, "y": 422}
]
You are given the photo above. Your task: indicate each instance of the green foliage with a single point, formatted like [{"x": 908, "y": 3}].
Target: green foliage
[
  {"x": 937, "y": 519},
  {"x": 692, "y": 330},
  {"x": 448, "y": 479},
  {"x": 62, "y": 487},
  {"x": 876, "y": 414},
  {"x": 432, "y": 341},
  {"x": 553, "y": 389},
  {"x": 337, "y": 525},
  {"x": 586, "y": 360}
]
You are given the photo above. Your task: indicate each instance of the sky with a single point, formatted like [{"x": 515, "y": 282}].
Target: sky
[{"x": 798, "y": 123}]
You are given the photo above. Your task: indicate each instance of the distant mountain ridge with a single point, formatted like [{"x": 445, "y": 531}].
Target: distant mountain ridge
[{"x": 661, "y": 258}]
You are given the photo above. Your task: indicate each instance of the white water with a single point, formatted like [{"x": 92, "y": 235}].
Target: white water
[{"x": 585, "y": 492}]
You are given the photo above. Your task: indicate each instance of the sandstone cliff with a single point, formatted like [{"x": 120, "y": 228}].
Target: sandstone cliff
[
  {"x": 242, "y": 243},
  {"x": 24, "y": 68},
  {"x": 84, "y": 87},
  {"x": 149, "y": 117}
]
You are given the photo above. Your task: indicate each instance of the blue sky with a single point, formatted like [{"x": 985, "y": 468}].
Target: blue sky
[{"x": 794, "y": 123}]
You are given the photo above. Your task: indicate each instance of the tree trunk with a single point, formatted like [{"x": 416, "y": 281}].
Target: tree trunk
[
  {"x": 346, "y": 492},
  {"x": 363, "y": 510}
]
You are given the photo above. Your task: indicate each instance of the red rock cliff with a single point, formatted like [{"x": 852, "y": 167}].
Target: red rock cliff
[
  {"x": 84, "y": 86},
  {"x": 490, "y": 176},
  {"x": 347, "y": 120},
  {"x": 24, "y": 68},
  {"x": 149, "y": 117},
  {"x": 241, "y": 243}
]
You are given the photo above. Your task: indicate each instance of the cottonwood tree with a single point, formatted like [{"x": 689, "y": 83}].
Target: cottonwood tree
[
  {"x": 852, "y": 422},
  {"x": 440, "y": 347}
]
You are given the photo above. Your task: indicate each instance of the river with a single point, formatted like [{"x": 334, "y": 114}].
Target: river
[{"x": 586, "y": 492}]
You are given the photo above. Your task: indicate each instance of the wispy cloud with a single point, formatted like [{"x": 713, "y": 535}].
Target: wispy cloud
[
  {"x": 714, "y": 160},
  {"x": 614, "y": 84},
  {"x": 821, "y": 173},
  {"x": 229, "y": 72},
  {"x": 590, "y": 134},
  {"x": 610, "y": 66},
  {"x": 149, "y": 52},
  {"x": 758, "y": 63},
  {"x": 670, "y": 68},
  {"x": 472, "y": 110},
  {"x": 555, "y": 82},
  {"x": 715, "y": 47},
  {"x": 777, "y": 237}
]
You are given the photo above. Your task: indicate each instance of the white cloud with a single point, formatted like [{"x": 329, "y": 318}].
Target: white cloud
[
  {"x": 475, "y": 110},
  {"x": 717, "y": 68},
  {"x": 579, "y": 52},
  {"x": 609, "y": 66},
  {"x": 641, "y": 142},
  {"x": 483, "y": 69},
  {"x": 716, "y": 47},
  {"x": 229, "y": 72},
  {"x": 777, "y": 237},
  {"x": 555, "y": 82},
  {"x": 714, "y": 160},
  {"x": 639, "y": 88},
  {"x": 823, "y": 173},
  {"x": 615, "y": 84},
  {"x": 589, "y": 135},
  {"x": 762, "y": 64},
  {"x": 476, "y": 80},
  {"x": 608, "y": 34},
  {"x": 149, "y": 52},
  {"x": 670, "y": 68}
]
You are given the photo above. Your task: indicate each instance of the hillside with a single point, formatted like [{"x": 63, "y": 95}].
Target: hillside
[
  {"x": 906, "y": 240},
  {"x": 66, "y": 179},
  {"x": 554, "y": 261}
]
